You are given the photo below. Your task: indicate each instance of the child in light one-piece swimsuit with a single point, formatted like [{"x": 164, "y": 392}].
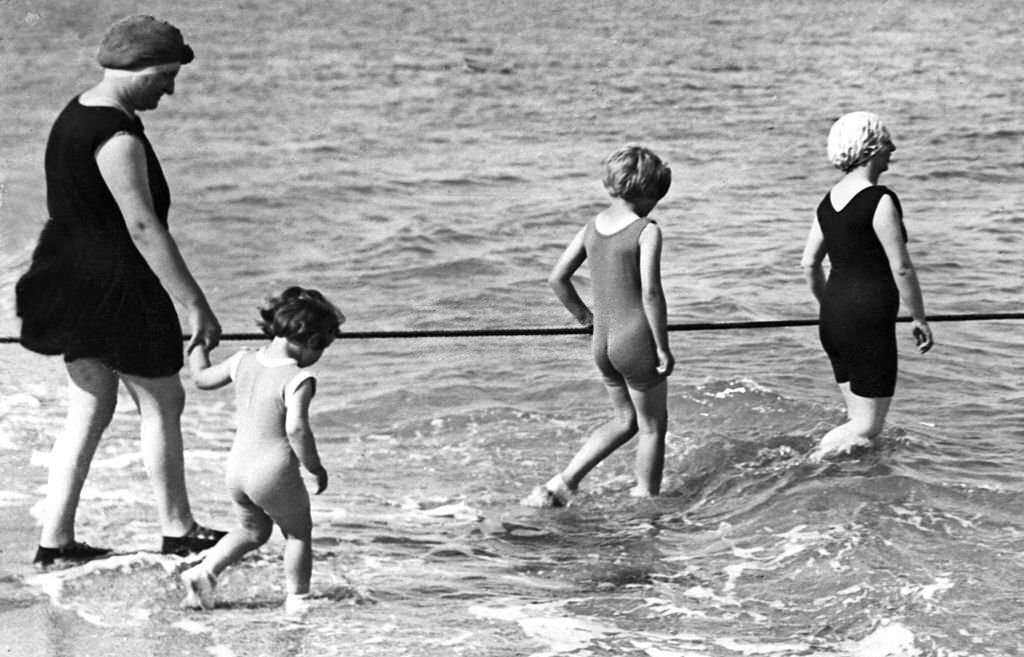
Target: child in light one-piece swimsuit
[{"x": 273, "y": 439}]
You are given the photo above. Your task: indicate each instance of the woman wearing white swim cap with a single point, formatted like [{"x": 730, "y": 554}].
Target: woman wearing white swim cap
[{"x": 859, "y": 226}]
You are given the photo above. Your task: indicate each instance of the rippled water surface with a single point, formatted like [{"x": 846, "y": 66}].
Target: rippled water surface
[{"x": 423, "y": 164}]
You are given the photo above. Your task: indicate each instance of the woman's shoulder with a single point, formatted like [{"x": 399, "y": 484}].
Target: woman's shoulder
[
  {"x": 884, "y": 191},
  {"x": 98, "y": 118}
]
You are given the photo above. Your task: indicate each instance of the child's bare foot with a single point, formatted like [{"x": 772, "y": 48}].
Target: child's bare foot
[
  {"x": 554, "y": 494},
  {"x": 199, "y": 585}
]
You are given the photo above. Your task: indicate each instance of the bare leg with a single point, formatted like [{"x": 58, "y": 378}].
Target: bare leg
[
  {"x": 652, "y": 425},
  {"x": 298, "y": 562},
  {"x": 161, "y": 402},
  {"x": 253, "y": 530},
  {"x": 92, "y": 396},
  {"x": 297, "y": 524},
  {"x": 866, "y": 420},
  {"x": 605, "y": 439}
]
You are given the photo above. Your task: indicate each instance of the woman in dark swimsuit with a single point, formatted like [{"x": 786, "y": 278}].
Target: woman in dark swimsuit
[
  {"x": 859, "y": 226},
  {"x": 97, "y": 289}
]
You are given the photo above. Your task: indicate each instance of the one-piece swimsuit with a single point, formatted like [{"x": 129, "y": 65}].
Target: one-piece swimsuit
[
  {"x": 263, "y": 472},
  {"x": 858, "y": 310},
  {"x": 623, "y": 345},
  {"x": 88, "y": 292}
]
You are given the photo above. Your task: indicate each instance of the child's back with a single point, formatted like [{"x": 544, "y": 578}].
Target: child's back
[
  {"x": 262, "y": 464},
  {"x": 622, "y": 342},
  {"x": 262, "y": 384}
]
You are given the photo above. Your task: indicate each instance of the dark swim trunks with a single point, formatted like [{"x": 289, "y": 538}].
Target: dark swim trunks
[
  {"x": 623, "y": 345},
  {"x": 858, "y": 310}
]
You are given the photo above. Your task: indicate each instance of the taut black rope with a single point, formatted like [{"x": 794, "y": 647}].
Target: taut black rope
[{"x": 543, "y": 330}]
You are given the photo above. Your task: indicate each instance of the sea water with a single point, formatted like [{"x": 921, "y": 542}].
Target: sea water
[{"x": 423, "y": 163}]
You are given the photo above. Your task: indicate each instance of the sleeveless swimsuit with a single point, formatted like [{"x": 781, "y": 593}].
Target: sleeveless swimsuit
[
  {"x": 88, "y": 292},
  {"x": 263, "y": 472},
  {"x": 858, "y": 310},
  {"x": 623, "y": 345}
]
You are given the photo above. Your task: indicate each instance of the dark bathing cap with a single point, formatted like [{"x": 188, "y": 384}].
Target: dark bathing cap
[{"x": 140, "y": 41}]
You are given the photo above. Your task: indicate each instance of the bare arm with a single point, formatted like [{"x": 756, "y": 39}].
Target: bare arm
[
  {"x": 886, "y": 223},
  {"x": 653, "y": 296},
  {"x": 205, "y": 375},
  {"x": 560, "y": 279},
  {"x": 814, "y": 254},
  {"x": 122, "y": 163},
  {"x": 300, "y": 434}
]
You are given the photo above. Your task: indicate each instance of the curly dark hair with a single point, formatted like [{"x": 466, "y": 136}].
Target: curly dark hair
[{"x": 303, "y": 316}]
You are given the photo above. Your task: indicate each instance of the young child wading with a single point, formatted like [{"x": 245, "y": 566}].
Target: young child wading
[
  {"x": 273, "y": 438},
  {"x": 630, "y": 343}
]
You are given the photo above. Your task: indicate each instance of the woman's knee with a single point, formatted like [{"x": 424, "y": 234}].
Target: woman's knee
[
  {"x": 164, "y": 396},
  {"x": 171, "y": 397}
]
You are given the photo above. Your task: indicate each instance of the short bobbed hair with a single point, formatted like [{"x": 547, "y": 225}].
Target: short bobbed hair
[{"x": 635, "y": 172}]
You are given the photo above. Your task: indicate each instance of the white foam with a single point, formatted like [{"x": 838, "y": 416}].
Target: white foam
[
  {"x": 761, "y": 648},
  {"x": 22, "y": 399},
  {"x": 7, "y": 441},
  {"x": 892, "y": 640},
  {"x": 52, "y": 583},
  {"x": 541, "y": 622}
]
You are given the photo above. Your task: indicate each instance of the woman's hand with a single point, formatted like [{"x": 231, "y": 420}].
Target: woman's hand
[
  {"x": 206, "y": 329},
  {"x": 321, "y": 479},
  {"x": 922, "y": 335}
]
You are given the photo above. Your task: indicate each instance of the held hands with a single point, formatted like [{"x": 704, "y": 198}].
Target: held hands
[
  {"x": 586, "y": 317},
  {"x": 321, "y": 479},
  {"x": 205, "y": 327},
  {"x": 922, "y": 335}
]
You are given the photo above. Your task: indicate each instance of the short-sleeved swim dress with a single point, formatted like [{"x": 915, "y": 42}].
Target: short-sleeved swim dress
[
  {"x": 88, "y": 292},
  {"x": 858, "y": 310},
  {"x": 623, "y": 345}
]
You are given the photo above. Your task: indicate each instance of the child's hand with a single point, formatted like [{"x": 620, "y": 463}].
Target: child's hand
[
  {"x": 321, "y": 480},
  {"x": 587, "y": 318},
  {"x": 666, "y": 362}
]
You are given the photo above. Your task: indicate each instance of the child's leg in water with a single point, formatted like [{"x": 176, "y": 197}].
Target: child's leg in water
[
  {"x": 652, "y": 425},
  {"x": 253, "y": 530},
  {"x": 607, "y": 438},
  {"x": 603, "y": 441},
  {"x": 298, "y": 557},
  {"x": 291, "y": 513}
]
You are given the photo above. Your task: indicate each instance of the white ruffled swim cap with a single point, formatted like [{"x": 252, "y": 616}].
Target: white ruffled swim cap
[{"x": 855, "y": 138}]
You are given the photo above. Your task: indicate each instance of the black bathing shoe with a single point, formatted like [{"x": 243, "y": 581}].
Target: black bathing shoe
[
  {"x": 73, "y": 552},
  {"x": 197, "y": 539}
]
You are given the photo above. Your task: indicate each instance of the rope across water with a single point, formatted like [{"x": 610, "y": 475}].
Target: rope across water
[{"x": 540, "y": 331}]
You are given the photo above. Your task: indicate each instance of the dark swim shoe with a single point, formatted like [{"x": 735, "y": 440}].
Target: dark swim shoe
[
  {"x": 73, "y": 552},
  {"x": 197, "y": 539}
]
